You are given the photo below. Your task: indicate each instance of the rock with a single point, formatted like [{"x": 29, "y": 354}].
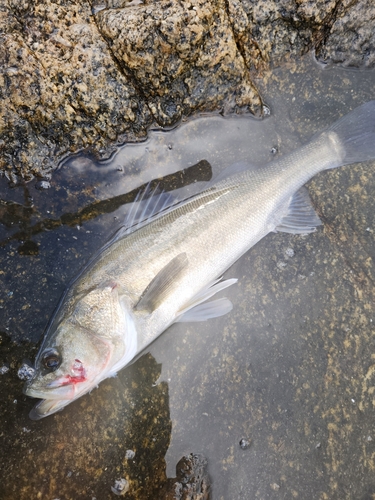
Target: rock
[
  {"x": 270, "y": 29},
  {"x": 351, "y": 39},
  {"x": 124, "y": 420},
  {"x": 75, "y": 75},
  {"x": 60, "y": 87},
  {"x": 183, "y": 56},
  {"x": 192, "y": 481},
  {"x": 283, "y": 369}
]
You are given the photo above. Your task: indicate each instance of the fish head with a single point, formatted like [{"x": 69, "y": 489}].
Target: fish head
[{"x": 95, "y": 338}]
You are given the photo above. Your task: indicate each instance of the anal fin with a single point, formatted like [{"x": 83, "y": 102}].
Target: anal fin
[
  {"x": 301, "y": 217},
  {"x": 207, "y": 310}
]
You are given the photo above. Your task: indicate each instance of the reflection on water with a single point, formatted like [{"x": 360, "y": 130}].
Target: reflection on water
[
  {"x": 289, "y": 371},
  {"x": 13, "y": 213}
]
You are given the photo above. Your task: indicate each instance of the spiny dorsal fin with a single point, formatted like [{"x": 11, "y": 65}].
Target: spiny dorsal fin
[
  {"x": 148, "y": 203},
  {"x": 160, "y": 286},
  {"x": 301, "y": 217}
]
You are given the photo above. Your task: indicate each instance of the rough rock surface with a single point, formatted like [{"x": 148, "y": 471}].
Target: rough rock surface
[
  {"x": 351, "y": 40},
  {"x": 60, "y": 88},
  {"x": 191, "y": 482},
  {"x": 75, "y": 75},
  {"x": 183, "y": 56},
  {"x": 267, "y": 30}
]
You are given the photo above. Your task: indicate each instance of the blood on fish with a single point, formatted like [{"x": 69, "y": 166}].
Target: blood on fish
[
  {"x": 68, "y": 379},
  {"x": 79, "y": 374}
]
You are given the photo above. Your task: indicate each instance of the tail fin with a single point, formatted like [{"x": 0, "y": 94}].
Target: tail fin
[{"x": 356, "y": 132}]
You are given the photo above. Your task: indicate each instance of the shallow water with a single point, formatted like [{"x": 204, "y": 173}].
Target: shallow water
[{"x": 289, "y": 370}]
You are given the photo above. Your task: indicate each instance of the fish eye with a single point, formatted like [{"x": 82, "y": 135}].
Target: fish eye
[{"x": 51, "y": 359}]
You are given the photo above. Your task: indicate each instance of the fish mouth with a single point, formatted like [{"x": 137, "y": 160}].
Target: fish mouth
[
  {"x": 53, "y": 393},
  {"x": 64, "y": 387},
  {"x": 47, "y": 407},
  {"x": 52, "y": 400}
]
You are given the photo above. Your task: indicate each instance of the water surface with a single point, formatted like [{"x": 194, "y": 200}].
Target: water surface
[{"x": 290, "y": 371}]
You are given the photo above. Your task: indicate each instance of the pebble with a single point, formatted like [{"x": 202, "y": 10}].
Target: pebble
[
  {"x": 25, "y": 372},
  {"x": 245, "y": 443},
  {"x": 121, "y": 487}
]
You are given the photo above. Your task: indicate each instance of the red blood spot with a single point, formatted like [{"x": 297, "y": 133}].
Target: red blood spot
[
  {"x": 68, "y": 379},
  {"x": 79, "y": 374}
]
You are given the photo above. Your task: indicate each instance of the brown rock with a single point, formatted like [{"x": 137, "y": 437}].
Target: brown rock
[
  {"x": 74, "y": 76},
  {"x": 60, "y": 88},
  {"x": 183, "y": 56},
  {"x": 269, "y": 30},
  {"x": 76, "y": 457},
  {"x": 351, "y": 40},
  {"x": 192, "y": 481}
]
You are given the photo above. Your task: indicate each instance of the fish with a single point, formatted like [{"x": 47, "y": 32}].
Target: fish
[{"x": 167, "y": 261}]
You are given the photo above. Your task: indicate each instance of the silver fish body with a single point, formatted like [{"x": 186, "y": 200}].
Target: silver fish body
[{"x": 167, "y": 267}]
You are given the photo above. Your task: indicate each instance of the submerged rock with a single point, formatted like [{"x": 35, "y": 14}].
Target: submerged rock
[
  {"x": 291, "y": 369},
  {"x": 76, "y": 75},
  {"x": 83, "y": 452},
  {"x": 192, "y": 481}
]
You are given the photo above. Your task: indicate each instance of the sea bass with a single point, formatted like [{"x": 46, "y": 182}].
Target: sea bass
[{"x": 165, "y": 266}]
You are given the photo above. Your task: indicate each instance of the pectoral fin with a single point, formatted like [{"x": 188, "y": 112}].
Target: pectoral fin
[
  {"x": 301, "y": 217},
  {"x": 160, "y": 286}
]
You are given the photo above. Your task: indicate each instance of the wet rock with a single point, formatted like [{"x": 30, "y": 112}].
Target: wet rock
[
  {"x": 245, "y": 444},
  {"x": 59, "y": 86},
  {"x": 25, "y": 372},
  {"x": 281, "y": 369},
  {"x": 268, "y": 30},
  {"x": 75, "y": 75},
  {"x": 182, "y": 54},
  {"x": 192, "y": 481},
  {"x": 4, "y": 369},
  {"x": 351, "y": 38},
  {"x": 42, "y": 185},
  {"x": 121, "y": 487}
]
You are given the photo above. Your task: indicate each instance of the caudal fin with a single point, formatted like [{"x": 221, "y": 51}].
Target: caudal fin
[{"x": 356, "y": 132}]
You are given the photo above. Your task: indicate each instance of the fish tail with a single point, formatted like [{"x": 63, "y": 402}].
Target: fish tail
[{"x": 356, "y": 132}]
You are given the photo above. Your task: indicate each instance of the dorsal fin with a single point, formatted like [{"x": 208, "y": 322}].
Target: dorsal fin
[
  {"x": 153, "y": 202},
  {"x": 148, "y": 203}
]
